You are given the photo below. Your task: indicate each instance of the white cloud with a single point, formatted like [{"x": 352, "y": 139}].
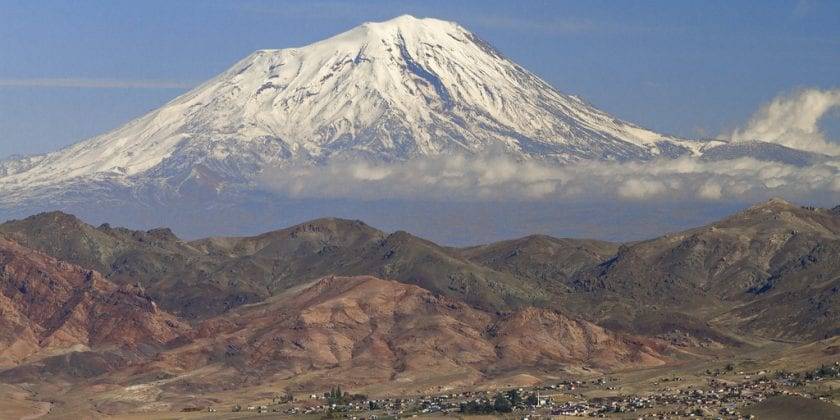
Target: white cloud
[
  {"x": 640, "y": 188},
  {"x": 710, "y": 190},
  {"x": 787, "y": 120},
  {"x": 499, "y": 178},
  {"x": 793, "y": 121}
]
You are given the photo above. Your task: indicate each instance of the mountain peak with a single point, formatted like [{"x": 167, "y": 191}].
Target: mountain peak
[
  {"x": 771, "y": 205},
  {"x": 369, "y": 36},
  {"x": 387, "y": 91},
  {"x": 408, "y": 22},
  {"x": 53, "y": 218},
  {"x": 775, "y": 202},
  {"x": 404, "y": 19}
]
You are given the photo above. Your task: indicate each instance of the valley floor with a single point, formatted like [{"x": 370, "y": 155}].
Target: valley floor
[{"x": 779, "y": 385}]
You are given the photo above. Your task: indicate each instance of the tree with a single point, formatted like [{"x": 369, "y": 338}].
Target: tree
[
  {"x": 501, "y": 404},
  {"x": 335, "y": 396},
  {"x": 476, "y": 407},
  {"x": 532, "y": 400},
  {"x": 514, "y": 397}
]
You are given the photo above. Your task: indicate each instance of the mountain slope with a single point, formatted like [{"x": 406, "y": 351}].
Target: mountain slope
[
  {"x": 740, "y": 268},
  {"x": 182, "y": 279},
  {"x": 51, "y": 307},
  {"x": 388, "y": 91},
  {"x": 714, "y": 283},
  {"x": 545, "y": 260},
  {"x": 210, "y": 276},
  {"x": 364, "y": 330},
  {"x": 537, "y": 308},
  {"x": 341, "y": 247}
]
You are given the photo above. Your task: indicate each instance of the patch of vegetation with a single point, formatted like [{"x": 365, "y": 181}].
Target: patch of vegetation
[
  {"x": 336, "y": 397},
  {"x": 501, "y": 403}
]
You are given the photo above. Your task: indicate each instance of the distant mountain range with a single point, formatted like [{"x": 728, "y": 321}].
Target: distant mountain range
[
  {"x": 393, "y": 91},
  {"x": 337, "y": 301}
]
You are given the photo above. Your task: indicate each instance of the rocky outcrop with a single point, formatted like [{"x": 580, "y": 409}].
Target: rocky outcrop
[{"x": 48, "y": 306}]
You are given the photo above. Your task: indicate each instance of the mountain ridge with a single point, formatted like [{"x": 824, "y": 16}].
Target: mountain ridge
[
  {"x": 688, "y": 278},
  {"x": 335, "y": 301}
]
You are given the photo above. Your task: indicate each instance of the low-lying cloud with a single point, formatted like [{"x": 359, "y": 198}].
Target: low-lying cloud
[
  {"x": 793, "y": 121},
  {"x": 500, "y": 178}
]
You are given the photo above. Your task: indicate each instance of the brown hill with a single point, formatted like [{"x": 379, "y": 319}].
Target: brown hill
[
  {"x": 738, "y": 270},
  {"x": 364, "y": 330},
  {"x": 323, "y": 247},
  {"x": 208, "y": 277},
  {"x": 49, "y": 307},
  {"x": 182, "y": 279},
  {"x": 547, "y": 261},
  {"x": 714, "y": 284},
  {"x": 269, "y": 312}
]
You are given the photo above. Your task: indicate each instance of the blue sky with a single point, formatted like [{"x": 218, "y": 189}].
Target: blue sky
[{"x": 71, "y": 70}]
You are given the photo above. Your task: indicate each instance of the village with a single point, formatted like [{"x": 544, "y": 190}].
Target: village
[{"x": 722, "y": 393}]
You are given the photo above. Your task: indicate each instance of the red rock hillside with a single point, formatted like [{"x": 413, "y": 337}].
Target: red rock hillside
[
  {"x": 364, "y": 330},
  {"x": 48, "y": 307}
]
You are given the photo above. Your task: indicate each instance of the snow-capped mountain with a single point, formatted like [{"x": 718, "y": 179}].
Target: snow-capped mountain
[
  {"x": 381, "y": 92},
  {"x": 387, "y": 91}
]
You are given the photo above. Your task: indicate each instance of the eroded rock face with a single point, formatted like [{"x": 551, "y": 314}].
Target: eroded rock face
[
  {"x": 50, "y": 306},
  {"x": 542, "y": 337},
  {"x": 372, "y": 330}
]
